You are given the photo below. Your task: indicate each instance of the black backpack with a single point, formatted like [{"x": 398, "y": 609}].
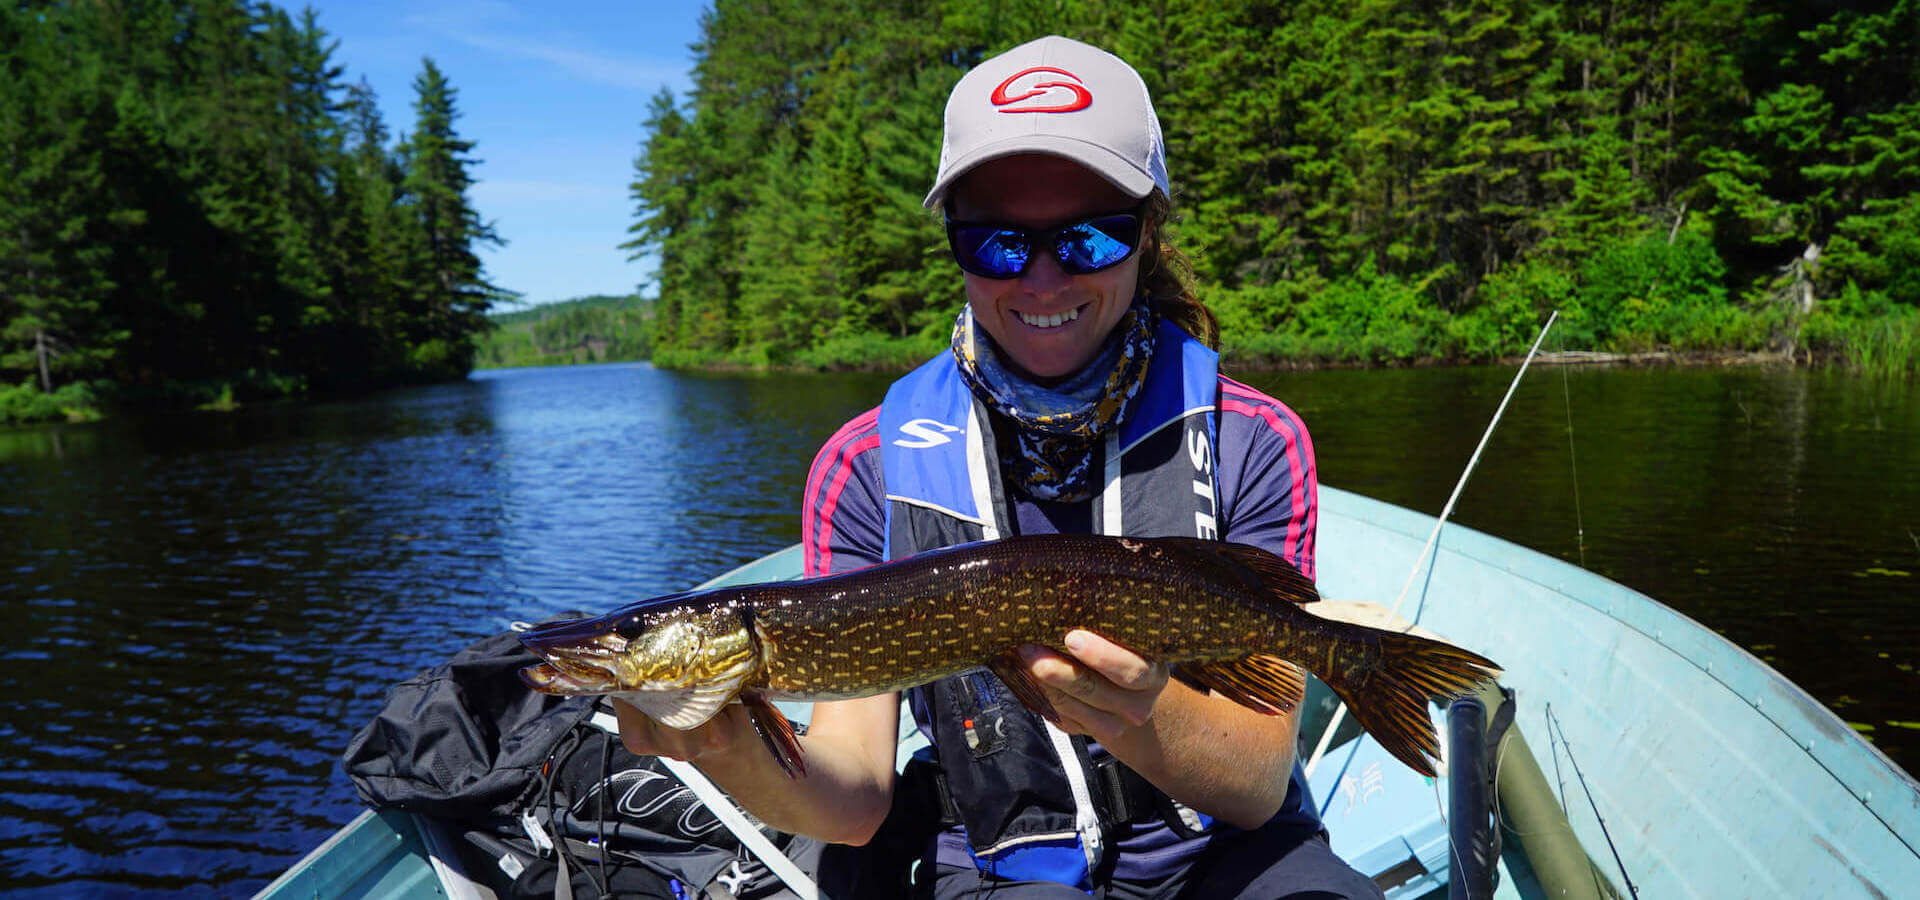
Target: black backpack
[
  {"x": 464, "y": 740},
  {"x": 468, "y": 743}
]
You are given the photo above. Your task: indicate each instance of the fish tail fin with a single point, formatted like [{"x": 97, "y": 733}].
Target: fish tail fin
[
  {"x": 1389, "y": 699},
  {"x": 1387, "y": 694}
]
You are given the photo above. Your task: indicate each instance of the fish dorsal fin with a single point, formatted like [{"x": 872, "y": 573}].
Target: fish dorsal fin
[
  {"x": 686, "y": 706},
  {"x": 1263, "y": 572},
  {"x": 1261, "y": 682}
]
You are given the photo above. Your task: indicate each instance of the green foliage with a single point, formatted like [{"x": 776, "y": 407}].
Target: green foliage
[
  {"x": 1369, "y": 317},
  {"x": 1878, "y": 247},
  {"x": 192, "y": 202},
  {"x": 1650, "y": 293},
  {"x": 26, "y": 402},
  {"x": 1513, "y": 304},
  {"x": 870, "y": 352},
  {"x": 453, "y": 294},
  {"x": 1250, "y": 316},
  {"x": 584, "y": 330},
  {"x": 1365, "y": 182},
  {"x": 782, "y": 202},
  {"x": 1868, "y": 333},
  {"x": 189, "y": 192}
]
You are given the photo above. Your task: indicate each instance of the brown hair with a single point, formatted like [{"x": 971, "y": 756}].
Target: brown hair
[{"x": 1167, "y": 276}]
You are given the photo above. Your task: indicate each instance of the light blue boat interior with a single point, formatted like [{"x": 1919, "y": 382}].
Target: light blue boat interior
[
  {"x": 1715, "y": 776},
  {"x": 378, "y": 854}
]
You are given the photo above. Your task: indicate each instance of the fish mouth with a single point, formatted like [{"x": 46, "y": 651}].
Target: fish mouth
[{"x": 580, "y": 656}]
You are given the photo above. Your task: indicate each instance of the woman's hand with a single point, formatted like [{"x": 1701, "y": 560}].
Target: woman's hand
[
  {"x": 1101, "y": 690},
  {"x": 715, "y": 737},
  {"x": 1202, "y": 749}
]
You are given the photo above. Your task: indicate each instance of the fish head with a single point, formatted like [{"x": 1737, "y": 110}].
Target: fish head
[{"x": 644, "y": 648}]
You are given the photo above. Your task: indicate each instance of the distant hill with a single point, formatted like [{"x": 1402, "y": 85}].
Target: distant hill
[{"x": 599, "y": 328}]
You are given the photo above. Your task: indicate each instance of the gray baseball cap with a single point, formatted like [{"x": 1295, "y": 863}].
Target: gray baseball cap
[{"x": 1060, "y": 97}]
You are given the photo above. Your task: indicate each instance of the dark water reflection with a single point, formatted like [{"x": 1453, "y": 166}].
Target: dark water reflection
[
  {"x": 201, "y": 608},
  {"x": 1779, "y": 507}
]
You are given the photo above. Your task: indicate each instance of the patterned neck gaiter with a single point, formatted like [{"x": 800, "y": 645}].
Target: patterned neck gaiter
[{"x": 1058, "y": 424}]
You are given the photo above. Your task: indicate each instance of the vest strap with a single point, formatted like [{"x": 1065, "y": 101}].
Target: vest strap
[{"x": 1033, "y": 803}]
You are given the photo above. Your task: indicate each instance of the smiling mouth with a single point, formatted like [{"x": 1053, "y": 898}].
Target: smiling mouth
[{"x": 1053, "y": 321}]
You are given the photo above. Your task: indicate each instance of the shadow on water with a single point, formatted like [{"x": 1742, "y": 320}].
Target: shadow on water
[{"x": 203, "y": 607}]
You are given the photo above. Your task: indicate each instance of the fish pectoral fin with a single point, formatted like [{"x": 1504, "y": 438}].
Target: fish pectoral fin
[
  {"x": 689, "y": 704},
  {"x": 1012, "y": 672},
  {"x": 776, "y": 732},
  {"x": 1261, "y": 682},
  {"x": 685, "y": 706}
]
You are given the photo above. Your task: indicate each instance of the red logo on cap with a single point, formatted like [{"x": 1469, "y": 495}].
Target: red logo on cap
[{"x": 1082, "y": 98}]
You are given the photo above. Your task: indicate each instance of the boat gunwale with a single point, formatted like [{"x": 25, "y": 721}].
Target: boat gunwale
[{"x": 1859, "y": 767}]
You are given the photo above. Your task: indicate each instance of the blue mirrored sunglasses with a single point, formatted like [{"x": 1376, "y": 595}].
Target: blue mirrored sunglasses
[{"x": 992, "y": 250}]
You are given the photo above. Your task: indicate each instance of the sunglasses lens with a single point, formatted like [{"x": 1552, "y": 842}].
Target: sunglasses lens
[
  {"x": 1098, "y": 243},
  {"x": 1001, "y": 252},
  {"x": 989, "y": 251}
]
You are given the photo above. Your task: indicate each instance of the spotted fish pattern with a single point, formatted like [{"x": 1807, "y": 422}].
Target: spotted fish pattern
[{"x": 1224, "y": 616}]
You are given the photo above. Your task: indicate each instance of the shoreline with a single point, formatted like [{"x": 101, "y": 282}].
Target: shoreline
[{"x": 1646, "y": 359}]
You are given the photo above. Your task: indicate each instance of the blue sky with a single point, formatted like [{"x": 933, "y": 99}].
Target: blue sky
[{"x": 553, "y": 95}]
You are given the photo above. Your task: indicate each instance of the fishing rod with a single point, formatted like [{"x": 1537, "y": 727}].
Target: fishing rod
[{"x": 1340, "y": 712}]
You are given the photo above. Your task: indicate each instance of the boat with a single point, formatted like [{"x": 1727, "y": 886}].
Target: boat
[{"x": 1656, "y": 758}]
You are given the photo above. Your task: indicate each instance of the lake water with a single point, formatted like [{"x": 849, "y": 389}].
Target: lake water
[{"x": 203, "y": 607}]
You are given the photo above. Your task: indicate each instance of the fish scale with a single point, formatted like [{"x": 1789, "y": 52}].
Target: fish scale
[{"x": 1225, "y": 616}]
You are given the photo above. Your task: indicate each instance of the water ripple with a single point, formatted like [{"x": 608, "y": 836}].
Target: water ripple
[{"x": 203, "y": 608}]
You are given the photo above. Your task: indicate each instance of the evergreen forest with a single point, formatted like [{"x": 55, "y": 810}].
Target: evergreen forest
[
  {"x": 1366, "y": 182},
  {"x": 583, "y": 330},
  {"x": 195, "y": 206}
]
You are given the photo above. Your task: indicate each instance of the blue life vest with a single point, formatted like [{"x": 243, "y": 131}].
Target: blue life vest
[{"x": 1028, "y": 794}]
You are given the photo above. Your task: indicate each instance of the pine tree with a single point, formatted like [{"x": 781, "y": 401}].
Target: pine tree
[
  {"x": 661, "y": 195},
  {"x": 54, "y": 226},
  {"x": 446, "y": 270},
  {"x": 368, "y": 232}
]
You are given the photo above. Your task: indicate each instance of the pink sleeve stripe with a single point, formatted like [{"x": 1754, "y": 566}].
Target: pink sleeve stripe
[
  {"x": 1303, "y": 524},
  {"x": 823, "y": 462},
  {"x": 832, "y": 465},
  {"x": 823, "y": 536}
]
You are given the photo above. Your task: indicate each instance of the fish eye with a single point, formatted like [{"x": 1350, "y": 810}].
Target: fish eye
[{"x": 632, "y": 627}]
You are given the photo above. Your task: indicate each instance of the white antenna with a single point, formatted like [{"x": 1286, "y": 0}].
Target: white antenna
[{"x": 1433, "y": 539}]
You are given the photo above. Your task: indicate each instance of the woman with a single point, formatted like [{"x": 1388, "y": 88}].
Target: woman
[{"x": 1076, "y": 399}]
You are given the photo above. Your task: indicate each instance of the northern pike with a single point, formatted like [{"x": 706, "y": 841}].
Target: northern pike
[{"x": 1221, "y": 615}]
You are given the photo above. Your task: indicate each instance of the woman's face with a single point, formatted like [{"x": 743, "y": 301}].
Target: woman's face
[{"x": 1038, "y": 191}]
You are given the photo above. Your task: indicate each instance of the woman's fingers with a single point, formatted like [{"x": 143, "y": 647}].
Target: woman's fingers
[
  {"x": 1076, "y": 717},
  {"x": 1124, "y": 668},
  {"x": 1102, "y": 688}
]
